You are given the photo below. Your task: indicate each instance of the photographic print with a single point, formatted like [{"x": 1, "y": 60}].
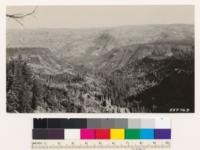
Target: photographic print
[{"x": 100, "y": 59}]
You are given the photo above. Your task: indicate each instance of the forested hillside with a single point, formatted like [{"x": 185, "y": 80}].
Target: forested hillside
[
  {"x": 31, "y": 92},
  {"x": 98, "y": 71}
]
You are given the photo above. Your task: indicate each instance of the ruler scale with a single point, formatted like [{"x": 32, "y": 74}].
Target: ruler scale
[
  {"x": 94, "y": 144},
  {"x": 104, "y": 134}
]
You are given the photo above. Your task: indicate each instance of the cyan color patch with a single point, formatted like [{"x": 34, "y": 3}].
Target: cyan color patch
[{"x": 147, "y": 134}]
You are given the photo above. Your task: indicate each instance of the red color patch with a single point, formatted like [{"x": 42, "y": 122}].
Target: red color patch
[{"x": 102, "y": 133}]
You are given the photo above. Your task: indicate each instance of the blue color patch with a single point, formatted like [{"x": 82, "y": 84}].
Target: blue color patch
[{"x": 147, "y": 134}]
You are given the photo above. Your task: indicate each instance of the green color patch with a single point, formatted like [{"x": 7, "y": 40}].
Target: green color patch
[{"x": 132, "y": 133}]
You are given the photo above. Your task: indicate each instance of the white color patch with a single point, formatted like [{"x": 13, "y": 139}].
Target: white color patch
[
  {"x": 72, "y": 134},
  {"x": 163, "y": 123}
]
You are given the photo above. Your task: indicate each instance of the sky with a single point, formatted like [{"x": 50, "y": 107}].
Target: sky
[{"x": 100, "y": 16}]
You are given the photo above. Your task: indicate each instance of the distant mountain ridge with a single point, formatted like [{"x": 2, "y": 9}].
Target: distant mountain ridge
[
  {"x": 122, "y": 57},
  {"x": 40, "y": 59},
  {"x": 147, "y": 68},
  {"x": 82, "y": 45}
]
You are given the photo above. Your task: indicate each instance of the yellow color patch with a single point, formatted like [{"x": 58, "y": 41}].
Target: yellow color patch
[{"x": 117, "y": 134}]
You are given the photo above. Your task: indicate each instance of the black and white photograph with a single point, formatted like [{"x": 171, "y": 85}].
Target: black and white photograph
[{"x": 100, "y": 59}]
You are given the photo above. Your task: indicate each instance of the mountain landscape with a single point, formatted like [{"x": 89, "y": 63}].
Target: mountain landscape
[{"x": 125, "y": 69}]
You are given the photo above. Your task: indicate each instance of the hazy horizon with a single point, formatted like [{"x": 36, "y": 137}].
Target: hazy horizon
[
  {"x": 103, "y": 27},
  {"x": 83, "y": 17}
]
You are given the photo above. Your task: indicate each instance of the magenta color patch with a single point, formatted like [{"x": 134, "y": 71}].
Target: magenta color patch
[{"x": 87, "y": 134}]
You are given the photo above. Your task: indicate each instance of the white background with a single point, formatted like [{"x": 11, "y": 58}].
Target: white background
[{"x": 15, "y": 129}]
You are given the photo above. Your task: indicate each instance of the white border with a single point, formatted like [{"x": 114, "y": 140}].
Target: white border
[{"x": 185, "y": 126}]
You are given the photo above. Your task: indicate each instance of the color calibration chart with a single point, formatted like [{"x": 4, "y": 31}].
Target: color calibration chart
[{"x": 121, "y": 134}]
